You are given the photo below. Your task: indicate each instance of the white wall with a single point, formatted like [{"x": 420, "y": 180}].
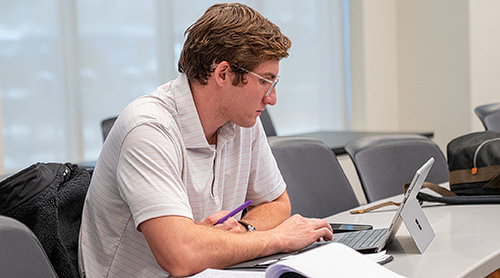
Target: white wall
[
  {"x": 374, "y": 65},
  {"x": 424, "y": 64},
  {"x": 484, "y": 34},
  {"x": 1, "y": 138},
  {"x": 433, "y": 67}
]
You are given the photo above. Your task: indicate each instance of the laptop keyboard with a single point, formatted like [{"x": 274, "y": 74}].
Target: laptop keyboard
[{"x": 362, "y": 239}]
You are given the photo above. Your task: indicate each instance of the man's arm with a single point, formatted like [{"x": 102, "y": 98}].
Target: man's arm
[
  {"x": 183, "y": 248},
  {"x": 269, "y": 215}
]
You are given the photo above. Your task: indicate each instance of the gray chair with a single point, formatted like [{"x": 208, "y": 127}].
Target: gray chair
[
  {"x": 106, "y": 126},
  {"x": 385, "y": 163},
  {"x": 21, "y": 254},
  {"x": 489, "y": 115},
  {"x": 316, "y": 184},
  {"x": 267, "y": 123}
]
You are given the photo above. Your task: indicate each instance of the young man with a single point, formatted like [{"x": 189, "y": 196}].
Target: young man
[{"x": 177, "y": 160}]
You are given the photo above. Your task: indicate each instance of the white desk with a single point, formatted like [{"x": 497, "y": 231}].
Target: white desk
[{"x": 467, "y": 241}]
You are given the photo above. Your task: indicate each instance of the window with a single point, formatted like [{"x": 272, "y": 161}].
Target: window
[
  {"x": 311, "y": 93},
  {"x": 65, "y": 65}
]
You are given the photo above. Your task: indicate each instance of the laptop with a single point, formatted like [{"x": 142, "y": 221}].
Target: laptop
[
  {"x": 409, "y": 212},
  {"x": 369, "y": 241}
]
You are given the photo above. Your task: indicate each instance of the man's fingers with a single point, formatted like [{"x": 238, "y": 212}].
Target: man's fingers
[
  {"x": 323, "y": 223},
  {"x": 326, "y": 234},
  {"x": 231, "y": 224},
  {"x": 212, "y": 219}
]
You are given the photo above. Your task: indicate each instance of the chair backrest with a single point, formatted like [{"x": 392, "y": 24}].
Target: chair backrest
[
  {"x": 489, "y": 115},
  {"x": 316, "y": 184},
  {"x": 21, "y": 254},
  {"x": 106, "y": 126},
  {"x": 385, "y": 163},
  {"x": 267, "y": 123}
]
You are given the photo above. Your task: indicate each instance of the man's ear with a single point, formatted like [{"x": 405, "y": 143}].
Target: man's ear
[{"x": 222, "y": 73}]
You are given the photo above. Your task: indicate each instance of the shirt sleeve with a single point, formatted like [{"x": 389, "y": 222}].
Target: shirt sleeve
[{"x": 149, "y": 174}]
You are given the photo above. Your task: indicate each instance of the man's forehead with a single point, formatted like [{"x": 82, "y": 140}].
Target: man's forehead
[{"x": 268, "y": 69}]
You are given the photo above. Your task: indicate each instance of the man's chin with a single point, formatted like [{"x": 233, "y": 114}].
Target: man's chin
[{"x": 246, "y": 124}]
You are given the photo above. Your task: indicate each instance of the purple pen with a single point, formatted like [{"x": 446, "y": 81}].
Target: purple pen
[{"x": 234, "y": 212}]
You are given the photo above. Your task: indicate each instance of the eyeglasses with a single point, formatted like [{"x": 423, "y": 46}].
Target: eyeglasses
[{"x": 263, "y": 79}]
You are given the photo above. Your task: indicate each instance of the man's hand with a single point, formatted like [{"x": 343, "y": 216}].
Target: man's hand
[
  {"x": 189, "y": 248},
  {"x": 298, "y": 232},
  {"x": 231, "y": 224}
]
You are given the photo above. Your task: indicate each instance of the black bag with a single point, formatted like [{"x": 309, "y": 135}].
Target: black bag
[
  {"x": 48, "y": 198},
  {"x": 474, "y": 164}
]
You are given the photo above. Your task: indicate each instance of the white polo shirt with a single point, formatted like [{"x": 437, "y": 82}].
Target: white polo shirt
[{"x": 157, "y": 162}]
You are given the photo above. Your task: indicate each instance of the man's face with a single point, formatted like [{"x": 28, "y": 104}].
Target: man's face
[{"x": 249, "y": 100}]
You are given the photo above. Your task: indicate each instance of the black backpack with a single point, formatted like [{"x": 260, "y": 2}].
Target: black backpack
[
  {"x": 474, "y": 164},
  {"x": 48, "y": 198}
]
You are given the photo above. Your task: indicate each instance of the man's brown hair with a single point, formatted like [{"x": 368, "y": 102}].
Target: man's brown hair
[{"x": 234, "y": 33}]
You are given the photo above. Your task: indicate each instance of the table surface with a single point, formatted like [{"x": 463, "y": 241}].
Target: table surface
[
  {"x": 336, "y": 140},
  {"x": 467, "y": 241}
]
